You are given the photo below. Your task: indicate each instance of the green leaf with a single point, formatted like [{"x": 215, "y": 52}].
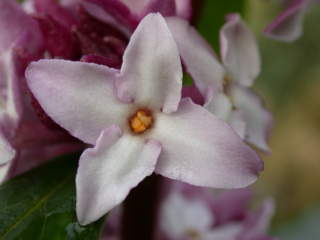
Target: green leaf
[
  {"x": 212, "y": 17},
  {"x": 41, "y": 205}
]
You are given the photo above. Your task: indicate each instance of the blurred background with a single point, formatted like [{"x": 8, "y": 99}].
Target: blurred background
[
  {"x": 291, "y": 88},
  {"x": 290, "y": 85}
]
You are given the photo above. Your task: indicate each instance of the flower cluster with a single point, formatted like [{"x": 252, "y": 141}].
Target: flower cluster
[{"x": 107, "y": 75}]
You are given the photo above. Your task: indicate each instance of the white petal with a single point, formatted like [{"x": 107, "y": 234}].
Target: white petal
[
  {"x": 78, "y": 96},
  {"x": 198, "y": 57},
  {"x": 220, "y": 106},
  {"x": 237, "y": 121},
  {"x": 109, "y": 171},
  {"x": 239, "y": 51},
  {"x": 258, "y": 119},
  {"x": 180, "y": 215},
  {"x": 151, "y": 73},
  {"x": 200, "y": 149}
]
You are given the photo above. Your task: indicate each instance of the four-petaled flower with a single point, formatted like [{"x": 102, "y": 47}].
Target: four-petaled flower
[{"x": 138, "y": 123}]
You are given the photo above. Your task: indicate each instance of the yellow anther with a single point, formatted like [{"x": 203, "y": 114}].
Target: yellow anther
[{"x": 141, "y": 121}]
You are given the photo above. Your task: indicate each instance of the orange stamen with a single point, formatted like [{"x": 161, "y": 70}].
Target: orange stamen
[{"x": 141, "y": 121}]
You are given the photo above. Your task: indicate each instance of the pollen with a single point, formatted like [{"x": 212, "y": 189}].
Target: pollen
[{"x": 141, "y": 121}]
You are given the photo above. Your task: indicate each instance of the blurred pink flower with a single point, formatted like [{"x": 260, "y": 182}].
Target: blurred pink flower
[
  {"x": 136, "y": 120},
  {"x": 187, "y": 213}
]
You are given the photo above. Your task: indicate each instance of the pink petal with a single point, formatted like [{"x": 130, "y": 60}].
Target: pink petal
[
  {"x": 164, "y": 7},
  {"x": 112, "y": 11},
  {"x": 17, "y": 29},
  {"x": 288, "y": 25},
  {"x": 137, "y": 7},
  {"x": 151, "y": 73},
  {"x": 184, "y": 9},
  {"x": 258, "y": 120},
  {"x": 258, "y": 222},
  {"x": 239, "y": 51},
  {"x": 202, "y": 150},
  {"x": 20, "y": 40},
  {"x": 109, "y": 171},
  {"x": 198, "y": 57},
  {"x": 78, "y": 96},
  {"x": 96, "y": 10},
  {"x": 10, "y": 96},
  {"x": 231, "y": 205}
]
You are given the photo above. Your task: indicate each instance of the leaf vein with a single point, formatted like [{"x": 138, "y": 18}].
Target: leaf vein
[{"x": 33, "y": 208}]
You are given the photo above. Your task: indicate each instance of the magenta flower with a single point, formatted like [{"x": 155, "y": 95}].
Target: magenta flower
[
  {"x": 226, "y": 86},
  {"x": 136, "y": 120},
  {"x": 188, "y": 213},
  {"x": 288, "y": 26},
  {"x": 24, "y": 141}
]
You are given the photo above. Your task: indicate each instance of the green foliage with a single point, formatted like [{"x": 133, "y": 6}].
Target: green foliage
[
  {"x": 41, "y": 205},
  {"x": 212, "y": 17}
]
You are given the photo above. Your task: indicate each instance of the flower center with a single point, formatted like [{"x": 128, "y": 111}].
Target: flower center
[
  {"x": 141, "y": 121},
  {"x": 193, "y": 234}
]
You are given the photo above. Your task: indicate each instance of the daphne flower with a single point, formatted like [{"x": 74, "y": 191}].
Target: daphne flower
[
  {"x": 288, "y": 26},
  {"x": 137, "y": 123},
  {"x": 226, "y": 86},
  {"x": 190, "y": 213}
]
